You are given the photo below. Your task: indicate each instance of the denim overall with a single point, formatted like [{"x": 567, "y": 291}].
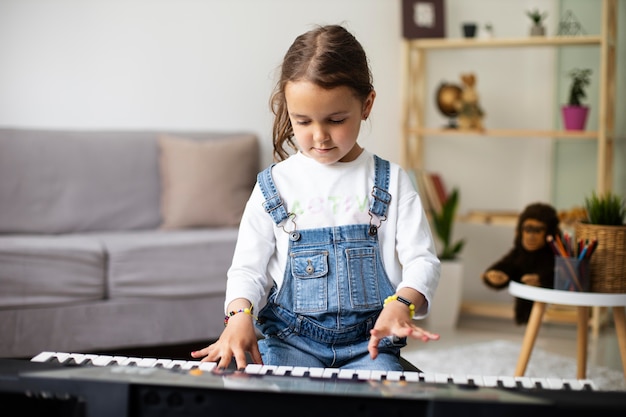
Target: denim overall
[{"x": 332, "y": 292}]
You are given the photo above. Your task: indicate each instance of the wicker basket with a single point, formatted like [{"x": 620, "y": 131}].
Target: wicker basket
[{"x": 608, "y": 262}]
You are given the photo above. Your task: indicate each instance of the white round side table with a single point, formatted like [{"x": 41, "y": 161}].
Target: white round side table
[{"x": 582, "y": 300}]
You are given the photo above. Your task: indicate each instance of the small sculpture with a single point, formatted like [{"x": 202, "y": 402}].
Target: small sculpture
[{"x": 470, "y": 114}]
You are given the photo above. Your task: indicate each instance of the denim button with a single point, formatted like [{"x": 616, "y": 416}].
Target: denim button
[
  {"x": 294, "y": 236},
  {"x": 373, "y": 230},
  {"x": 309, "y": 268}
]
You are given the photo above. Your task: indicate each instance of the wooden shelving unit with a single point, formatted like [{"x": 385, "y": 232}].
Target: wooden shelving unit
[
  {"x": 416, "y": 52},
  {"x": 414, "y": 128}
]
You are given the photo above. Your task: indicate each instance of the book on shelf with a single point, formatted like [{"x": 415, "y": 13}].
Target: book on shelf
[
  {"x": 437, "y": 181},
  {"x": 431, "y": 189}
]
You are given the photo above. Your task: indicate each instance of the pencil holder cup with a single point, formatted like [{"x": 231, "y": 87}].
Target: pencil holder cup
[{"x": 571, "y": 274}]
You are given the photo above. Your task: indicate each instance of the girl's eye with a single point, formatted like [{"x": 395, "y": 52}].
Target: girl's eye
[
  {"x": 337, "y": 122},
  {"x": 302, "y": 122}
]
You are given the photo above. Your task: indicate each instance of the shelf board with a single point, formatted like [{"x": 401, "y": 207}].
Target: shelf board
[
  {"x": 508, "y": 133},
  {"x": 505, "y": 218},
  {"x": 500, "y": 310},
  {"x": 456, "y": 43}
]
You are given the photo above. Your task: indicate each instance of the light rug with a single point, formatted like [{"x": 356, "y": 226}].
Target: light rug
[{"x": 499, "y": 358}]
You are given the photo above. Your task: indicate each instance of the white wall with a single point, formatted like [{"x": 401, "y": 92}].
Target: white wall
[
  {"x": 179, "y": 64},
  {"x": 198, "y": 65}
]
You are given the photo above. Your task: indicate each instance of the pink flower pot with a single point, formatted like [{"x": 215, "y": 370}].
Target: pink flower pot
[{"x": 575, "y": 117}]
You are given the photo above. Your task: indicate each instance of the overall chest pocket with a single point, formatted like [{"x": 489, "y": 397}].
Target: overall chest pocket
[
  {"x": 309, "y": 270},
  {"x": 363, "y": 278}
]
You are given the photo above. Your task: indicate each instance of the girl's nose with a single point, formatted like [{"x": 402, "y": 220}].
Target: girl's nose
[{"x": 320, "y": 134}]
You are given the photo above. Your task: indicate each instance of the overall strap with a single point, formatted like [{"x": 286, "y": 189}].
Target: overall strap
[
  {"x": 273, "y": 204},
  {"x": 380, "y": 197}
]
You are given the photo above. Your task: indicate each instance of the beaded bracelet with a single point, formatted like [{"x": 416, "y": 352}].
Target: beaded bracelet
[
  {"x": 241, "y": 310},
  {"x": 403, "y": 300}
]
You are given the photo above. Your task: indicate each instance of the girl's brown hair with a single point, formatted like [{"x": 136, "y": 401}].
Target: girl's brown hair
[{"x": 328, "y": 56}]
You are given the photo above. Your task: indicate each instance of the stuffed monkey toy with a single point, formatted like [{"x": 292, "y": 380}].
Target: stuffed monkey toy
[{"x": 531, "y": 261}]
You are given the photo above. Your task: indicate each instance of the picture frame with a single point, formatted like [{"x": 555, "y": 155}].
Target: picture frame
[{"x": 423, "y": 19}]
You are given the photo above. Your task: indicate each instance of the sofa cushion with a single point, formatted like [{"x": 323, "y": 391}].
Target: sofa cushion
[
  {"x": 44, "y": 271},
  {"x": 206, "y": 184},
  {"x": 169, "y": 264},
  {"x": 72, "y": 181}
]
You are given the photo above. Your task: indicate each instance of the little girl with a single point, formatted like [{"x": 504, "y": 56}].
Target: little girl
[{"x": 334, "y": 249}]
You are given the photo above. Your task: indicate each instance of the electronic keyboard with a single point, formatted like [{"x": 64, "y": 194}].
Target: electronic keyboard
[{"x": 105, "y": 386}]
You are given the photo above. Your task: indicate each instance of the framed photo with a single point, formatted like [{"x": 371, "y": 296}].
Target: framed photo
[{"x": 423, "y": 19}]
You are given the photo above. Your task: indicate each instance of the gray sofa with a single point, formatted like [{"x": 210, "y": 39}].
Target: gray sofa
[{"x": 117, "y": 239}]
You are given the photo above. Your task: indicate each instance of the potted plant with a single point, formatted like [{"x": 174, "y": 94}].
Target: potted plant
[
  {"x": 447, "y": 301},
  {"x": 443, "y": 223},
  {"x": 574, "y": 112},
  {"x": 537, "y": 17},
  {"x": 606, "y": 214}
]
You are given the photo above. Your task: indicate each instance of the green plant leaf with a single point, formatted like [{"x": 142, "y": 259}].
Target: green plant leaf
[
  {"x": 443, "y": 223},
  {"x": 607, "y": 209}
]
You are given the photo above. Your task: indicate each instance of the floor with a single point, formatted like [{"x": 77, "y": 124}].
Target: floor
[{"x": 556, "y": 338}]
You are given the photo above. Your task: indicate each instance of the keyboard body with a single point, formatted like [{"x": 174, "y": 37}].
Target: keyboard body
[{"x": 146, "y": 387}]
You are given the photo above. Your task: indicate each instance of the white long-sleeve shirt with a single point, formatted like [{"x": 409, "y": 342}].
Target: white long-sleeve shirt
[{"x": 328, "y": 196}]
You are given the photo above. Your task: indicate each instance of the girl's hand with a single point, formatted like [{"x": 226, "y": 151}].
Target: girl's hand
[
  {"x": 395, "y": 319},
  {"x": 237, "y": 338}
]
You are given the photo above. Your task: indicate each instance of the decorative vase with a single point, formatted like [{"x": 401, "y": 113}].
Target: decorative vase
[
  {"x": 537, "y": 30},
  {"x": 444, "y": 313},
  {"x": 575, "y": 117},
  {"x": 607, "y": 265},
  {"x": 469, "y": 30}
]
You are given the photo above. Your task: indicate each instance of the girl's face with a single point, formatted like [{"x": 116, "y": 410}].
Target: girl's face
[{"x": 326, "y": 123}]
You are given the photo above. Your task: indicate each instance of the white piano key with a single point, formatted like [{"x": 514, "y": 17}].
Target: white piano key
[
  {"x": 62, "y": 356},
  {"x": 191, "y": 365},
  {"x": 117, "y": 360},
  {"x": 378, "y": 375},
  {"x": 147, "y": 362},
  {"x": 130, "y": 361},
  {"x": 102, "y": 360},
  {"x": 588, "y": 383},
  {"x": 347, "y": 373},
  {"x": 525, "y": 382},
  {"x": 459, "y": 379},
  {"x": 476, "y": 379},
  {"x": 441, "y": 378},
  {"x": 555, "y": 383},
  {"x": 330, "y": 373},
  {"x": 283, "y": 370},
  {"x": 207, "y": 366},
  {"x": 394, "y": 375},
  {"x": 540, "y": 383},
  {"x": 254, "y": 368},
  {"x": 364, "y": 374},
  {"x": 411, "y": 376},
  {"x": 89, "y": 358},
  {"x": 490, "y": 381},
  {"x": 299, "y": 370},
  {"x": 316, "y": 372},
  {"x": 430, "y": 378},
  {"x": 77, "y": 358},
  {"x": 162, "y": 363},
  {"x": 508, "y": 381},
  {"x": 267, "y": 369},
  {"x": 175, "y": 364},
  {"x": 574, "y": 384},
  {"x": 43, "y": 356}
]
